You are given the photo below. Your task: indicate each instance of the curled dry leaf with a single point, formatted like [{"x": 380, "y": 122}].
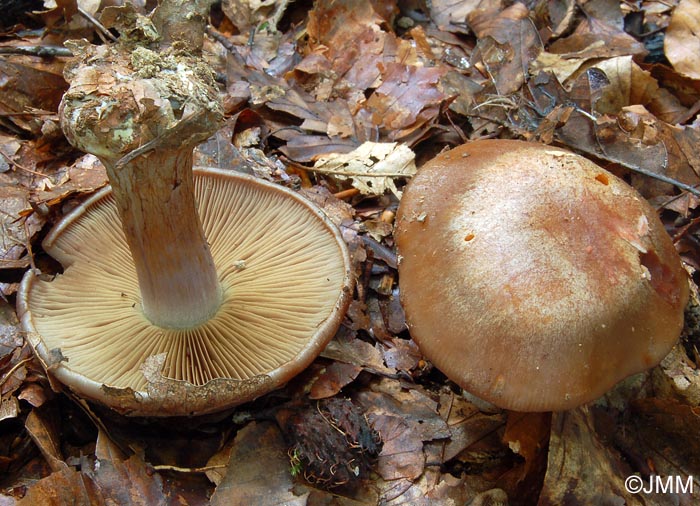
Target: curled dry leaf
[
  {"x": 682, "y": 41},
  {"x": 371, "y": 167}
]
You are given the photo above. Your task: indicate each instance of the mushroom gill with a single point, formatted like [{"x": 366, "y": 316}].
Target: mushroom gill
[{"x": 280, "y": 264}]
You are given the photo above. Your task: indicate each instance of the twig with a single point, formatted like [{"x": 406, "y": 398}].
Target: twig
[
  {"x": 659, "y": 177},
  {"x": 14, "y": 368},
  {"x": 43, "y": 51},
  {"x": 101, "y": 30},
  {"x": 18, "y": 166},
  {"x": 165, "y": 467},
  {"x": 221, "y": 39}
]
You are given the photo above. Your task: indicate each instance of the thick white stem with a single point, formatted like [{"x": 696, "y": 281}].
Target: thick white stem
[{"x": 176, "y": 273}]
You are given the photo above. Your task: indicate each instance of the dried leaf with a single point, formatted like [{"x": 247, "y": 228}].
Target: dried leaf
[
  {"x": 350, "y": 350},
  {"x": 451, "y": 15},
  {"x": 665, "y": 433},
  {"x": 64, "y": 487},
  {"x": 508, "y": 42},
  {"x": 583, "y": 469},
  {"x": 677, "y": 378},
  {"x": 248, "y": 14},
  {"x": 682, "y": 40},
  {"x": 401, "y": 354},
  {"x": 333, "y": 379},
  {"x": 371, "y": 167},
  {"x": 259, "y": 471},
  {"x": 41, "y": 426},
  {"x": 15, "y": 231},
  {"x": 9, "y": 408},
  {"x": 402, "y": 454},
  {"x": 29, "y": 85}
]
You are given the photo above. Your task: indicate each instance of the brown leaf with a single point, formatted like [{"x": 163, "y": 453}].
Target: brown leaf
[
  {"x": 120, "y": 481},
  {"x": 665, "y": 433},
  {"x": 15, "y": 230},
  {"x": 259, "y": 470},
  {"x": 63, "y": 487},
  {"x": 508, "y": 42},
  {"x": 682, "y": 40},
  {"x": 583, "y": 469},
  {"x": 9, "y": 408},
  {"x": 408, "y": 98},
  {"x": 412, "y": 405},
  {"x": 450, "y": 15},
  {"x": 466, "y": 423},
  {"x": 401, "y": 354},
  {"x": 29, "y": 85},
  {"x": 34, "y": 394},
  {"x": 598, "y": 38},
  {"x": 41, "y": 426},
  {"x": 402, "y": 454},
  {"x": 333, "y": 379},
  {"x": 347, "y": 348},
  {"x": 348, "y": 33}
]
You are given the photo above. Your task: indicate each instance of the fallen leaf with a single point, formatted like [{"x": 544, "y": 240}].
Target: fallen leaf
[
  {"x": 508, "y": 42},
  {"x": 333, "y": 379},
  {"x": 451, "y": 15},
  {"x": 583, "y": 469},
  {"x": 371, "y": 167},
  {"x": 41, "y": 426},
  {"x": 682, "y": 40},
  {"x": 347, "y": 348},
  {"x": 259, "y": 471}
]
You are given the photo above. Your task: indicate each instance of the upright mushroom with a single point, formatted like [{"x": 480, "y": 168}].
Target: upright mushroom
[
  {"x": 532, "y": 277},
  {"x": 180, "y": 295}
]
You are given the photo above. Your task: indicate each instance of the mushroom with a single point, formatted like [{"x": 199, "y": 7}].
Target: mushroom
[
  {"x": 533, "y": 278},
  {"x": 181, "y": 294}
]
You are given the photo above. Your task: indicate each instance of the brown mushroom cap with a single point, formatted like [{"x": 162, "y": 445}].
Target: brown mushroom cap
[
  {"x": 285, "y": 274},
  {"x": 533, "y": 278}
]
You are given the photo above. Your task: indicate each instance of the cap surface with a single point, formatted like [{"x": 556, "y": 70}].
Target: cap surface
[
  {"x": 284, "y": 271},
  {"x": 532, "y": 277}
]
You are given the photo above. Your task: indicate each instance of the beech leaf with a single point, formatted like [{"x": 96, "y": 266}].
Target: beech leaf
[{"x": 371, "y": 167}]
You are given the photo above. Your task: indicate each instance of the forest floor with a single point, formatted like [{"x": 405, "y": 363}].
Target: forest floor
[{"x": 342, "y": 100}]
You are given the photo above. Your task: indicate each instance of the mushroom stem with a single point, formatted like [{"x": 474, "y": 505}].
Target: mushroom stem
[
  {"x": 141, "y": 106},
  {"x": 177, "y": 277}
]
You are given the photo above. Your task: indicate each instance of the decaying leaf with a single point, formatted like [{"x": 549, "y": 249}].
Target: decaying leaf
[
  {"x": 682, "y": 41},
  {"x": 333, "y": 379},
  {"x": 371, "y": 167},
  {"x": 259, "y": 471}
]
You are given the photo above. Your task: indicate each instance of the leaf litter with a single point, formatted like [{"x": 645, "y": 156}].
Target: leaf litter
[{"x": 343, "y": 100}]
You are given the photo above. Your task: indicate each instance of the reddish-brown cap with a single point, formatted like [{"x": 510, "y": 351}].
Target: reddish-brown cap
[{"x": 532, "y": 277}]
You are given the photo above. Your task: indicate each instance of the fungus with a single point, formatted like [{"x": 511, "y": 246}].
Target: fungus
[
  {"x": 536, "y": 280},
  {"x": 181, "y": 294}
]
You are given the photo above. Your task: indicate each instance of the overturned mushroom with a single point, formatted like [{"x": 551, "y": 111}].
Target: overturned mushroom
[
  {"x": 533, "y": 278},
  {"x": 180, "y": 295}
]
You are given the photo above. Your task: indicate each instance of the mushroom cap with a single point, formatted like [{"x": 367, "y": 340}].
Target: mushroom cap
[
  {"x": 533, "y": 278},
  {"x": 285, "y": 275}
]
